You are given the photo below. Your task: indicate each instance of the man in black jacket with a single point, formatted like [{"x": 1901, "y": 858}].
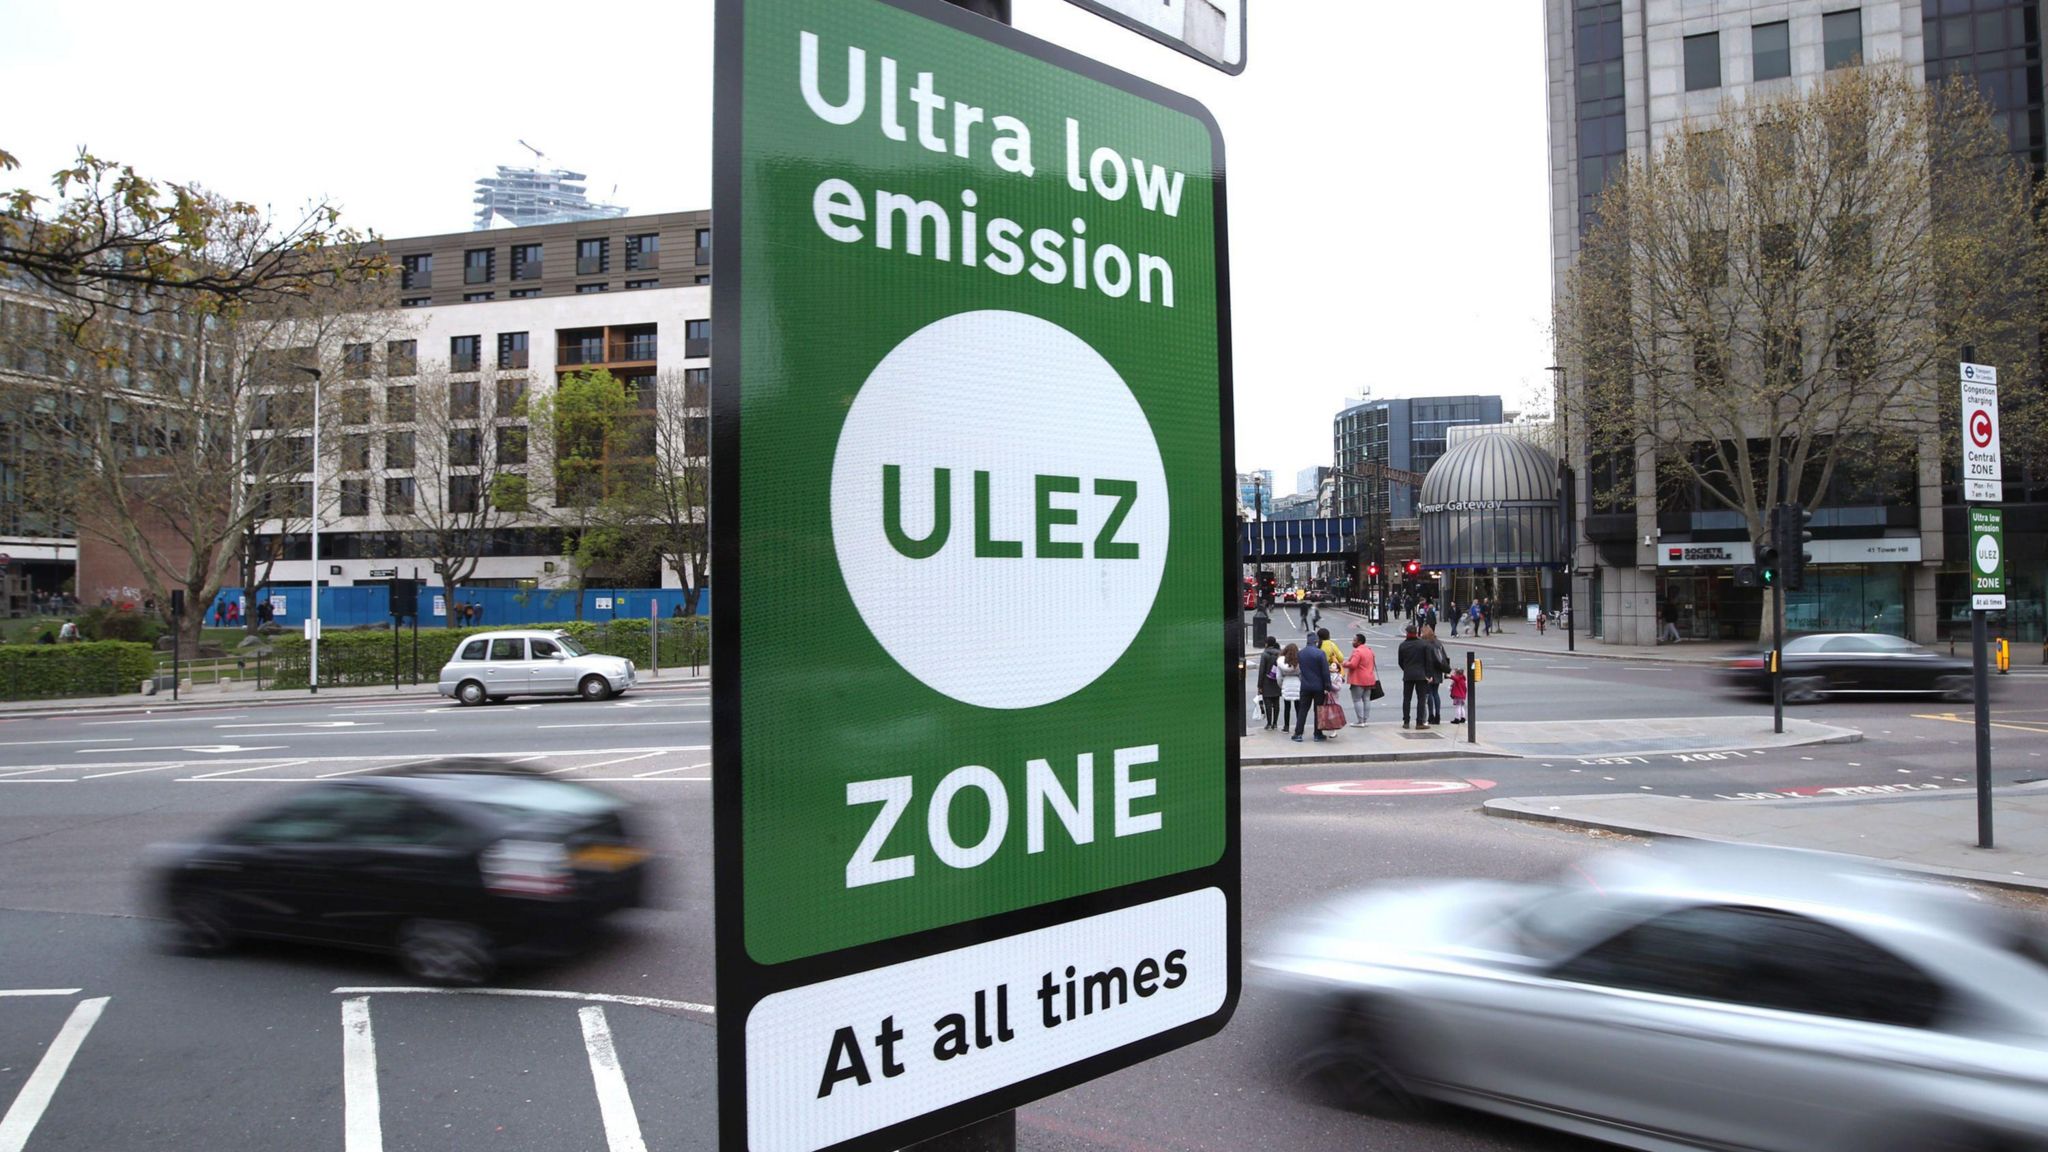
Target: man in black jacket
[
  {"x": 1315, "y": 680},
  {"x": 1418, "y": 664}
]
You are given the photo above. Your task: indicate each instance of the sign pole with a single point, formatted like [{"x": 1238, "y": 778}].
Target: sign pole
[
  {"x": 1980, "y": 687},
  {"x": 1983, "y": 483}
]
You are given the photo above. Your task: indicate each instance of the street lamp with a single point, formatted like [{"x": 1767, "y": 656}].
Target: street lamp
[
  {"x": 313, "y": 617},
  {"x": 1568, "y": 477}
]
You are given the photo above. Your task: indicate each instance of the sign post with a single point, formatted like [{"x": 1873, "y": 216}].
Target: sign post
[
  {"x": 972, "y": 321},
  {"x": 1983, "y": 481}
]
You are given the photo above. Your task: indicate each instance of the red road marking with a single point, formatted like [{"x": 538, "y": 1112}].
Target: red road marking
[{"x": 1389, "y": 787}]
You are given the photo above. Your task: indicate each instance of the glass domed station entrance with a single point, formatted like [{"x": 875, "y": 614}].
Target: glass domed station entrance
[{"x": 1492, "y": 524}]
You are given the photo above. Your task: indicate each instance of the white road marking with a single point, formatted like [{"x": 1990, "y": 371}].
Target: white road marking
[
  {"x": 164, "y": 720},
  {"x": 209, "y": 749},
  {"x": 614, "y": 1103},
  {"x": 530, "y": 993},
  {"x": 39, "y": 991},
  {"x": 331, "y": 732},
  {"x": 307, "y": 724},
  {"x": 362, "y": 1115},
  {"x": 630, "y": 724},
  {"x": 235, "y": 771},
  {"x": 620, "y": 760},
  {"x": 22, "y": 1116},
  {"x": 86, "y": 740},
  {"x": 131, "y": 771},
  {"x": 375, "y": 767},
  {"x": 23, "y": 772},
  {"x": 665, "y": 771}
]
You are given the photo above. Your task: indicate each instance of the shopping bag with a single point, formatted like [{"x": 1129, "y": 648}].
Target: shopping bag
[{"x": 1330, "y": 714}]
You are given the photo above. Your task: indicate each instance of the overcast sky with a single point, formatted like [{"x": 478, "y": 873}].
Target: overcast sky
[{"x": 1387, "y": 173}]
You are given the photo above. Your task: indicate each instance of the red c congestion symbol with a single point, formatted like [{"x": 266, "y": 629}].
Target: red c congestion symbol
[{"x": 1980, "y": 428}]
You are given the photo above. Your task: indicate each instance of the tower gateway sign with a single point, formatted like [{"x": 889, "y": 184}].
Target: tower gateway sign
[{"x": 973, "y": 523}]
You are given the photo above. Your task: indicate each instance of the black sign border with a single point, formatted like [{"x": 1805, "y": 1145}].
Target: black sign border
[
  {"x": 743, "y": 983},
  {"x": 1179, "y": 45}
]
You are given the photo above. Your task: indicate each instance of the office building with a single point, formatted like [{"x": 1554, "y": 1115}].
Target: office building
[
  {"x": 1406, "y": 434},
  {"x": 1623, "y": 75},
  {"x": 1255, "y": 493}
]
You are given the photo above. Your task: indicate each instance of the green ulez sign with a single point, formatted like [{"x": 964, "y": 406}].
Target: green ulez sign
[{"x": 975, "y": 766}]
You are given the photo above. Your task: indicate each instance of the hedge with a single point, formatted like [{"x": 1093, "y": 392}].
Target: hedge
[
  {"x": 362, "y": 658},
  {"x": 94, "y": 668}
]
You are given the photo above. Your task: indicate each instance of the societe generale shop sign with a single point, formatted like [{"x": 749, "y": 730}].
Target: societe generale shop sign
[{"x": 976, "y": 822}]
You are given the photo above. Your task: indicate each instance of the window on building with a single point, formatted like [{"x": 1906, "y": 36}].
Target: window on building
[
  {"x": 355, "y": 361},
  {"x": 643, "y": 251},
  {"x": 399, "y": 404},
  {"x": 1841, "y": 35},
  {"x": 477, "y": 297},
  {"x": 511, "y": 445},
  {"x": 511, "y": 350},
  {"x": 465, "y": 353},
  {"x": 355, "y": 406},
  {"x": 511, "y": 399},
  {"x": 401, "y": 357},
  {"x": 697, "y": 436},
  {"x": 1703, "y": 62},
  {"x": 464, "y": 447},
  {"x": 463, "y": 399},
  {"x": 696, "y": 338},
  {"x": 462, "y": 494},
  {"x": 508, "y": 493},
  {"x": 524, "y": 293},
  {"x": 398, "y": 493},
  {"x": 526, "y": 262},
  {"x": 398, "y": 451},
  {"x": 636, "y": 343},
  {"x": 631, "y": 285},
  {"x": 478, "y": 266},
  {"x": 1770, "y": 49},
  {"x": 703, "y": 245},
  {"x": 706, "y": 279},
  {"x": 415, "y": 301},
  {"x": 579, "y": 346},
  {"x": 696, "y": 387},
  {"x": 587, "y": 289},
  {"x": 417, "y": 271},
  {"x": 355, "y": 496},
  {"x": 593, "y": 257},
  {"x": 355, "y": 452}
]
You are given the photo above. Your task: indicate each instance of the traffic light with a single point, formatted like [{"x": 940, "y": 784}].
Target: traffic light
[
  {"x": 1412, "y": 569},
  {"x": 1790, "y": 540},
  {"x": 1767, "y": 565},
  {"x": 1746, "y": 576},
  {"x": 1372, "y": 570}
]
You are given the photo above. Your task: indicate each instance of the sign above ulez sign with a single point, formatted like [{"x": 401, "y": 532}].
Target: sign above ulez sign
[
  {"x": 1983, "y": 466},
  {"x": 976, "y": 828}
]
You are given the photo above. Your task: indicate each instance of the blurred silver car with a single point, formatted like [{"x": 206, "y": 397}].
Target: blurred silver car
[
  {"x": 1690, "y": 998},
  {"x": 494, "y": 665}
]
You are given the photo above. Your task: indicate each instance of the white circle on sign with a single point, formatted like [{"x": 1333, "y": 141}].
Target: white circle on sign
[
  {"x": 1987, "y": 554},
  {"x": 982, "y": 601},
  {"x": 1389, "y": 787}
]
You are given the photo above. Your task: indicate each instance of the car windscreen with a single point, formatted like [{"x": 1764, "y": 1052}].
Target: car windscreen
[
  {"x": 518, "y": 797},
  {"x": 570, "y": 646},
  {"x": 1561, "y": 924}
]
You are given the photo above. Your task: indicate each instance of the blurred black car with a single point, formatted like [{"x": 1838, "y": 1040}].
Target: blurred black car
[
  {"x": 1829, "y": 663},
  {"x": 451, "y": 867}
]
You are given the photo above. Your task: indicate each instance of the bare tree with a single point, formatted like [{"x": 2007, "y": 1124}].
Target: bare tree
[
  {"x": 1773, "y": 302},
  {"x": 673, "y": 504},
  {"x": 176, "y": 440},
  {"x": 471, "y": 448},
  {"x": 108, "y": 238}
]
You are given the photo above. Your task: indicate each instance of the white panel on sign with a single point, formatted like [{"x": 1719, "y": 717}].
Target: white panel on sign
[
  {"x": 1983, "y": 468},
  {"x": 999, "y": 1012},
  {"x": 1988, "y": 603},
  {"x": 1979, "y": 374}
]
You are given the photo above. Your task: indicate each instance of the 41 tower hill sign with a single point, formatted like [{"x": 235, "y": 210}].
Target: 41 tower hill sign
[{"x": 976, "y": 829}]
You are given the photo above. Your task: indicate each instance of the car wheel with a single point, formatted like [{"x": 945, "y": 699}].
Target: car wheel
[
  {"x": 199, "y": 924},
  {"x": 595, "y": 688},
  {"x": 445, "y": 952},
  {"x": 1805, "y": 689},
  {"x": 1353, "y": 1068},
  {"x": 1956, "y": 689},
  {"x": 470, "y": 692}
]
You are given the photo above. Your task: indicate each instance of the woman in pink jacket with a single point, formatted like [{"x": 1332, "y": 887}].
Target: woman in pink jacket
[{"x": 1362, "y": 673}]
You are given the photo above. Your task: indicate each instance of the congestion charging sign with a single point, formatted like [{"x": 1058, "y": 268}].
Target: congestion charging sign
[{"x": 974, "y": 726}]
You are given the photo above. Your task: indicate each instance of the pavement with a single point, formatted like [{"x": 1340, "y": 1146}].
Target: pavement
[
  {"x": 1387, "y": 740},
  {"x": 1904, "y": 826}
]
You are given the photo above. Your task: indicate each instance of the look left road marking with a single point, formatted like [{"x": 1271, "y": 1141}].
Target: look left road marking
[
  {"x": 614, "y": 1102},
  {"x": 27, "y": 1110},
  {"x": 362, "y": 1114}
]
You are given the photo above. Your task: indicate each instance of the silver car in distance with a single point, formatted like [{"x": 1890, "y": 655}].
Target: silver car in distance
[
  {"x": 1682, "y": 998},
  {"x": 493, "y": 665}
]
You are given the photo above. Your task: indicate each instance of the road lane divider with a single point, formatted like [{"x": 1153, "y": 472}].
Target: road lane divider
[
  {"x": 362, "y": 1113},
  {"x": 614, "y": 1101},
  {"x": 40, "y": 1088}
]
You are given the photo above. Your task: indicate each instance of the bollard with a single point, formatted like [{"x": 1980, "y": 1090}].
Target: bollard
[{"x": 1473, "y": 670}]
